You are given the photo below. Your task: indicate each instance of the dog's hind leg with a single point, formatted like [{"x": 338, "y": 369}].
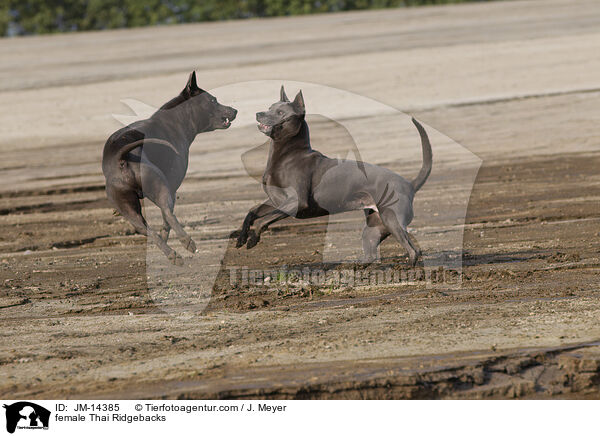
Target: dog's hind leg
[
  {"x": 392, "y": 218},
  {"x": 166, "y": 228},
  {"x": 128, "y": 205},
  {"x": 162, "y": 197},
  {"x": 374, "y": 233},
  {"x": 155, "y": 187}
]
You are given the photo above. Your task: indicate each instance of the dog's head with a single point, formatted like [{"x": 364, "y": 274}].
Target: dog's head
[
  {"x": 283, "y": 119},
  {"x": 205, "y": 107}
]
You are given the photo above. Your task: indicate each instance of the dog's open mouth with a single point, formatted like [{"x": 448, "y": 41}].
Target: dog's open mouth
[
  {"x": 226, "y": 122},
  {"x": 263, "y": 127}
]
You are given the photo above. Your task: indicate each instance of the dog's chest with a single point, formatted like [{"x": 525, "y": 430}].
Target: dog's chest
[
  {"x": 270, "y": 183},
  {"x": 280, "y": 175}
]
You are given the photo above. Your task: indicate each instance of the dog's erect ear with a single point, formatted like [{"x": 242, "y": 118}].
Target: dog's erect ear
[
  {"x": 191, "y": 83},
  {"x": 299, "y": 102},
  {"x": 282, "y": 96}
]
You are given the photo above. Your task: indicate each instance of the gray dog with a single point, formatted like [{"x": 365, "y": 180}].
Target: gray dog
[
  {"x": 149, "y": 158},
  {"x": 303, "y": 183}
]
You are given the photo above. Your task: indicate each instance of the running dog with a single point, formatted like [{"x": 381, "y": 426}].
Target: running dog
[
  {"x": 149, "y": 158},
  {"x": 303, "y": 183}
]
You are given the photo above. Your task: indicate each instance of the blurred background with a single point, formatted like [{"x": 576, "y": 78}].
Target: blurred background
[{"x": 18, "y": 17}]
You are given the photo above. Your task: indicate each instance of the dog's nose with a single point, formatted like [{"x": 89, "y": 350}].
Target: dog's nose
[
  {"x": 234, "y": 111},
  {"x": 260, "y": 114}
]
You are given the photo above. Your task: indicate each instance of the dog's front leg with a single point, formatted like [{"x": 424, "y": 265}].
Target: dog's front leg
[
  {"x": 262, "y": 224},
  {"x": 256, "y": 212},
  {"x": 289, "y": 206}
]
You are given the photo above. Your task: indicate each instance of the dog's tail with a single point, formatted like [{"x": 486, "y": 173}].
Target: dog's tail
[
  {"x": 427, "y": 158},
  {"x": 126, "y": 149}
]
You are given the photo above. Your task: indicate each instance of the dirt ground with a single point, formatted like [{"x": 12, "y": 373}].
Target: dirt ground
[{"x": 515, "y": 83}]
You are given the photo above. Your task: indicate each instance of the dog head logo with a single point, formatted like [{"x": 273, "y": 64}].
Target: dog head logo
[{"x": 26, "y": 415}]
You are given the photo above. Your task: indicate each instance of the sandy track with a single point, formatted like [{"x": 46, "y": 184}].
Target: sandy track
[{"x": 516, "y": 83}]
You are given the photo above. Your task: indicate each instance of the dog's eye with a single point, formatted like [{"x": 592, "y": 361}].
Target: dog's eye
[{"x": 279, "y": 112}]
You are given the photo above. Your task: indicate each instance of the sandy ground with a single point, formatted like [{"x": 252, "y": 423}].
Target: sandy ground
[{"x": 511, "y": 85}]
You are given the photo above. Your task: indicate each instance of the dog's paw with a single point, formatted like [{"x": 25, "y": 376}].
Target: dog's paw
[
  {"x": 241, "y": 240},
  {"x": 189, "y": 244},
  {"x": 369, "y": 259},
  {"x": 164, "y": 235},
  {"x": 235, "y": 234},
  {"x": 253, "y": 239},
  {"x": 414, "y": 258},
  {"x": 175, "y": 259}
]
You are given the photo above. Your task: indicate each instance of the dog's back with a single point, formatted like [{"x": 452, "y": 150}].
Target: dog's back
[{"x": 116, "y": 142}]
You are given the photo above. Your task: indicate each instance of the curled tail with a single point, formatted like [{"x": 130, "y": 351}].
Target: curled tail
[
  {"x": 126, "y": 149},
  {"x": 421, "y": 178}
]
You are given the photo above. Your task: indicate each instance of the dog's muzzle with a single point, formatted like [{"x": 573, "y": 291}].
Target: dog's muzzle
[
  {"x": 226, "y": 120},
  {"x": 264, "y": 128}
]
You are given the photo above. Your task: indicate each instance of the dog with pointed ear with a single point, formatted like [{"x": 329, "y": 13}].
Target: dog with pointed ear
[
  {"x": 191, "y": 86},
  {"x": 303, "y": 183},
  {"x": 282, "y": 96},
  {"x": 298, "y": 102},
  {"x": 284, "y": 118},
  {"x": 149, "y": 159}
]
